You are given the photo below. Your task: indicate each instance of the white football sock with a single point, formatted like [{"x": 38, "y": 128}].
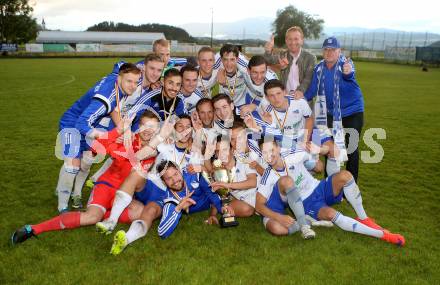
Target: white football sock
[
  {"x": 353, "y": 195},
  {"x": 296, "y": 204},
  {"x": 81, "y": 177},
  {"x": 65, "y": 184},
  {"x": 332, "y": 167},
  {"x": 293, "y": 228},
  {"x": 122, "y": 200},
  {"x": 351, "y": 225},
  {"x": 137, "y": 230}
]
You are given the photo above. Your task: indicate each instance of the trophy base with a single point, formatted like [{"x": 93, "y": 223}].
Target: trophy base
[{"x": 227, "y": 222}]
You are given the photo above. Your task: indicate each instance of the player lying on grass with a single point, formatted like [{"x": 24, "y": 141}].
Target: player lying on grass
[
  {"x": 185, "y": 192},
  {"x": 106, "y": 188},
  {"x": 288, "y": 183}
]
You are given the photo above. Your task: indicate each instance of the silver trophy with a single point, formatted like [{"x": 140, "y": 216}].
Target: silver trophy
[{"x": 221, "y": 174}]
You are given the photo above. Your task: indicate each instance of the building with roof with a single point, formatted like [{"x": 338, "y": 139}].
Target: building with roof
[{"x": 64, "y": 37}]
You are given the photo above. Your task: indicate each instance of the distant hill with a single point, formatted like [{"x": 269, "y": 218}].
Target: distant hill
[
  {"x": 170, "y": 32},
  {"x": 258, "y": 29},
  {"x": 353, "y": 37},
  {"x": 436, "y": 44},
  {"x": 250, "y": 28}
]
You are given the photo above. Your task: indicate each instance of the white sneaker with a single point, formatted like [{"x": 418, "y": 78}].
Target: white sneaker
[
  {"x": 105, "y": 227},
  {"x": 307, "y": 232},
  {"x": 315, "y": 223}
]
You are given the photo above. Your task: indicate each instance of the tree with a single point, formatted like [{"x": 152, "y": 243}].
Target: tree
[
  {"x": 170, "y": 32},
  {"x": 16, "y": 22},
  {"x": 290, "y": 16}
]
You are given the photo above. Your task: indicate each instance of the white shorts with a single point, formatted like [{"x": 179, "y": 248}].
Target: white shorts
[{"x": 247, "y": 196}]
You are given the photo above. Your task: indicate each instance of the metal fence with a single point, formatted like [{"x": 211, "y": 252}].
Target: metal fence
[
  {"x": 390, "y": 46},
  {"x": 395, "y": 46}
]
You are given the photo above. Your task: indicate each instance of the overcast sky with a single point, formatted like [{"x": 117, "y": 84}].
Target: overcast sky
[{"x": 77, "y": 15}]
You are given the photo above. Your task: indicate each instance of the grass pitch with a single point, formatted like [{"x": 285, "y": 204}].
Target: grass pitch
[{"x": 401, "y": 193}]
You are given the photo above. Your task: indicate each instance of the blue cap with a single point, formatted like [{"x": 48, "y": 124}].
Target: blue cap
[{"x": 331, "y": 42}]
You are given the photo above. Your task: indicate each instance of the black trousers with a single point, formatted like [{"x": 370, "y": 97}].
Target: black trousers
[{"x": 355, "y": 121}]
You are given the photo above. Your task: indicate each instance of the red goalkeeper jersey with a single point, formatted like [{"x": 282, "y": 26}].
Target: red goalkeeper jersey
[{"x": 122, "y": 165}]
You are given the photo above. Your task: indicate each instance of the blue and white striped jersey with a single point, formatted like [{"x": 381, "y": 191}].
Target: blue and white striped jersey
[
  {"x": 98, "y": 102},
  {"x": 291, "y": 122},
  {"x": 304, "y": 181},
  {"x": 177, "y": 61},
  {"x": 190, "y": 101},
  {"x": 153, "y": 101},
  {"x": 257, "y": 91},
  {"x": 203, "y": 196},
  {"x": 242, "y": 62},
  {"x": 286, "y": 126},
  {"x": 205, "y": 85},
  {"x": 235, "y": 87},
  {"x": 181, "y": 157}
]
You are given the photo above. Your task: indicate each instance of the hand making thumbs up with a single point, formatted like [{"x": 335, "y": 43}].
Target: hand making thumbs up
[
  {"x": 347, "y": 68},
  {"x": 268, "y": 47}
]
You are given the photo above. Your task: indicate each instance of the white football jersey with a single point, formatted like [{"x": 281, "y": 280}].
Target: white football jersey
[
  {"x": 257, "y": 91},
  {"x": 205, "y": 85},
  {"x": 189, "y": 102},
  {"x": 242, "y": 170},
  {"x": 235, "y": 87},
  {"x": 305, "y": 183},
  {"x": 291, "y": 122},
  {"x": 242, "y": 62},
  {"x": 172, "y": 153}
]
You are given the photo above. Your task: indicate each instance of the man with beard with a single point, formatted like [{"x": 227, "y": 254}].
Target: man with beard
[
  {"x": 164, "y": 101},
  {"x": 185, "y": 193}
]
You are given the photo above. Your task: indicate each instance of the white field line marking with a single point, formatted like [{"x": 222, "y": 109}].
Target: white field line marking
[{"x": 67, "y": 82}]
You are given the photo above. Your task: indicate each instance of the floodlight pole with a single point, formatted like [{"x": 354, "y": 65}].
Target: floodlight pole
[{"x": 212, "y": 24}]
